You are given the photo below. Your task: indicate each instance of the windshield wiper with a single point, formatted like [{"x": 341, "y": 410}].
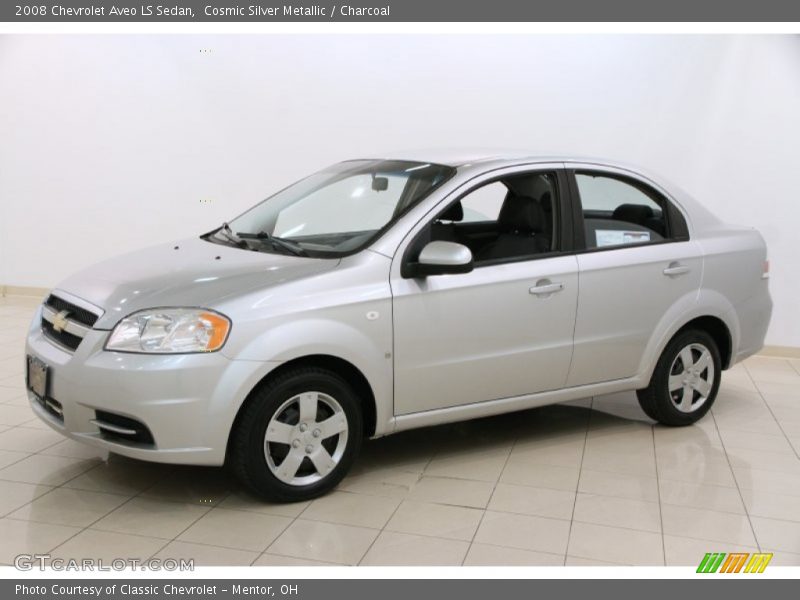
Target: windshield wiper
[
  {"x": 275, "y": 241},
  {"x": 226, "y": 232}
]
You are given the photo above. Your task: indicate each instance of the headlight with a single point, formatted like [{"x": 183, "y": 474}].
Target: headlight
[{"x": 170, "y": 331}]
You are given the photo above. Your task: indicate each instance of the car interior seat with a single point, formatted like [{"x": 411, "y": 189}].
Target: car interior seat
[
  {"x": 638, "y": 214},
  {"x": 641, "y": 214},
  {"x": 521, "y": 224}
]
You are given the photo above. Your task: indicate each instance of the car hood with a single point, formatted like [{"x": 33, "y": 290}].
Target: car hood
[{"x": 191, "y": 272}]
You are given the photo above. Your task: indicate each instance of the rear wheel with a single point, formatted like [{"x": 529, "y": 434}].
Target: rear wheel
[
  {"x": 298, "y": 435},
  {"x": 685, "y": 381}
]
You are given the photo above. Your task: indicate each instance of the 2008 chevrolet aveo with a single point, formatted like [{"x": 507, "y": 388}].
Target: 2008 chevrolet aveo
[{"x": 377, "y": 296}]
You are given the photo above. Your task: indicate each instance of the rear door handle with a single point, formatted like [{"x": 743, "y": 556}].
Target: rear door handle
[
  {"x": 546, "y": 288},
  {"x": 674, "y": 269}
]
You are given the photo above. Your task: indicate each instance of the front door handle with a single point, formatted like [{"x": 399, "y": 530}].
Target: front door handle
[
  {"x": 675, "y": 268},
  {"x": 546, "y": 288}
]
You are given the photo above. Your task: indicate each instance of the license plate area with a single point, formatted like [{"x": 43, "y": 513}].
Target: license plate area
[{"x": 37, "y": 377}]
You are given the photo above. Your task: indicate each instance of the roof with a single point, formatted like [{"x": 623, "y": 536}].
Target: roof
[
  {"x": 456, "y": 157},
  {"x": 461, "y": 157}
]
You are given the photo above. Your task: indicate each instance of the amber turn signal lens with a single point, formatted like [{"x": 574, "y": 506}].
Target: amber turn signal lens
[{"x": 217, "y": 327}]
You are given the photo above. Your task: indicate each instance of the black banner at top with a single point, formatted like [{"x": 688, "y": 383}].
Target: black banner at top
[{"x": 398, "y": 11}]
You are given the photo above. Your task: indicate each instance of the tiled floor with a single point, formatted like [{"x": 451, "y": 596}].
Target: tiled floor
[{"x": 592, "y": 482}]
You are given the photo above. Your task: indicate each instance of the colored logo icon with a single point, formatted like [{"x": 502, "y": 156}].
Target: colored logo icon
[{"x": 734, "y": 562}]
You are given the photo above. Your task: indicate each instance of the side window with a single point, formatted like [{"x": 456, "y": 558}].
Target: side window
[
  {"x": 505, "y": 220},
  {"x": 617, "y": 213},
  {"x": 484, "y": 203}
]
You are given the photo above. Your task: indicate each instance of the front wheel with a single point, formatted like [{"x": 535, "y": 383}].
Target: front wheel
[
  {"x": 298, "y": 435},
  {"x": 685, "y": 381}
]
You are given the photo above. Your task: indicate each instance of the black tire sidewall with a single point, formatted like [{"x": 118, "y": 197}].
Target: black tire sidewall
[
  {"x": 670, "y": 415},
  {"x": 254, "y": 425}
]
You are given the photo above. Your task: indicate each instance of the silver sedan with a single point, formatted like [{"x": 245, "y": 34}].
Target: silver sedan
[{"x": 380, "y": 295}]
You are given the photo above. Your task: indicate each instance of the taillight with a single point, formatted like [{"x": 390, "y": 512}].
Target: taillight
[{"x": 765, "y": 270}]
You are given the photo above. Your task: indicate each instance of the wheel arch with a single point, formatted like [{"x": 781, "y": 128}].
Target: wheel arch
[
  {"x": 340, "y": 366},
  {"x": 704, "y": 309},
  {"x": 656, "y": 398},
  {"x": 718, "y": 330}
]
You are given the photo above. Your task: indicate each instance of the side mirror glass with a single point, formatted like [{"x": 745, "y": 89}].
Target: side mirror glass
[{"x": 442, "y": 258}]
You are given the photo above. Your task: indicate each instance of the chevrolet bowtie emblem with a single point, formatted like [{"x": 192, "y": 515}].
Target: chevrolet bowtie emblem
[{"x": 60, "y": 321}]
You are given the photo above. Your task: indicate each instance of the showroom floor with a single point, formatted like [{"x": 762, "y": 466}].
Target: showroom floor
[{"x": 592, "y": 482}]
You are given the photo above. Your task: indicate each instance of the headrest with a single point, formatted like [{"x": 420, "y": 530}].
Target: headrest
[
  {"x": 633, "y": 213},
  {"x": 521, "y": 213},
  {"x": 455, "y": 212},
  {"x": 547, "y": 202}
]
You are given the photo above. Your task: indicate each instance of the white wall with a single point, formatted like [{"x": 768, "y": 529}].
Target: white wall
[{"x": 112, "y": 143}]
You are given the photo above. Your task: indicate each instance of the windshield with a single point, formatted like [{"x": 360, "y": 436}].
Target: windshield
[{"x": 336, "y": 211}]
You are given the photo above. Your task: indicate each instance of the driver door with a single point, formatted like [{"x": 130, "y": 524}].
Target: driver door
[{"x": 491, "y": 333}]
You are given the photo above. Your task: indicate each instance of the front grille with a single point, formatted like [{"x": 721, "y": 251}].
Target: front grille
[
  {"x": 117, "y": 428},
  {"x": 62, "y": 337},
  {"x": 76, "y": 313},
  {"x": 66, "y": 323},
  {"x": 53, "y": 407}
]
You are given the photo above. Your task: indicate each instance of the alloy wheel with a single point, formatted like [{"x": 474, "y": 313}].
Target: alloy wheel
[
  {"x": 306, "y": 438},
  {"x": 691, "y": 378}
]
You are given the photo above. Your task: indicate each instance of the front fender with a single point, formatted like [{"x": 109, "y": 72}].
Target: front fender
[{"x": 365, "y": 343}]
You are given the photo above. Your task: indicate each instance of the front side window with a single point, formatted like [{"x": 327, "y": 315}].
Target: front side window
[
  {"x": 336, "y": 211},
  {"x": 484, "y": 204},
  {"x": 509, "y": 219},
  {"x": 618, "y": 213}
]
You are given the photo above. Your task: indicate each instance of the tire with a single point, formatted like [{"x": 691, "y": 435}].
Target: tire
[
  {"x": 302, "y": 458},
  {"x": 677, "y": 396}
]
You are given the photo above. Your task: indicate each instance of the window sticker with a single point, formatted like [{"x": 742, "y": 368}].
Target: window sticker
[{"x": 611, "y": 237}]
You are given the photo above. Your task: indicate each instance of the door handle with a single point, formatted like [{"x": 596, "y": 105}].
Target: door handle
[
  {"x": 675, "y": 268},
  {"x": 546, "y": 288}
]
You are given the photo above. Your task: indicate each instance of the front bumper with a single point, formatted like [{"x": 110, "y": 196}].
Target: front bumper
[{"x": 187, "y": 401}]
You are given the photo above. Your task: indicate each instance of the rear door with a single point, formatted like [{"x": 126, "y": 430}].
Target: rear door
[{"x": 637, "y": 262}]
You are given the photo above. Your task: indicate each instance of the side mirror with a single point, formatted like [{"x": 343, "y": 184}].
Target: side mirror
[{"x": 441, "y": 258}]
